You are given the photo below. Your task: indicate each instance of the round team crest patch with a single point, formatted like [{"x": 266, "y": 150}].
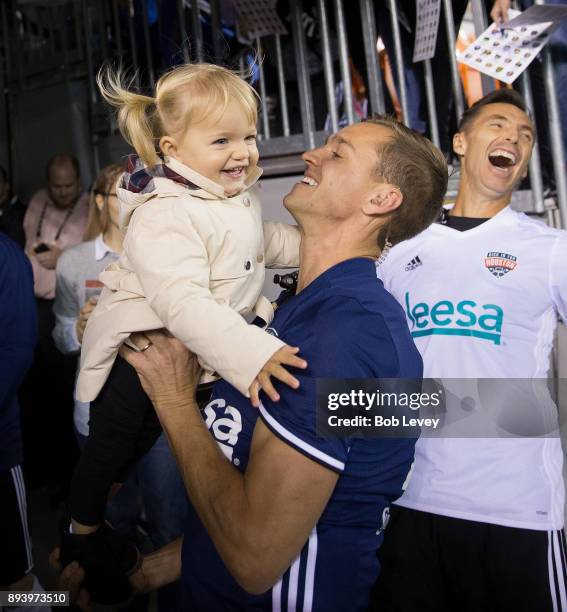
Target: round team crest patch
[{"x": 500, "y": 264}]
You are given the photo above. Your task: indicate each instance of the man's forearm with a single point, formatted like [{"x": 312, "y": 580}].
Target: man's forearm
[{"x": 215, "y": 487}]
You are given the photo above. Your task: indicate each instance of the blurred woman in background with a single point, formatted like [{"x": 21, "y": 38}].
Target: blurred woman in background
[{"x": 156, "y": 481}]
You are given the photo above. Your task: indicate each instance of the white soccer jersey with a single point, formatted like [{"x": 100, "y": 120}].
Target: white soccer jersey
[{"x": 483, "y": 303}]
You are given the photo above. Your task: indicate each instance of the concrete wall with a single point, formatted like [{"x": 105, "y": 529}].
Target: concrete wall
[{"x": 45, "y": 122}]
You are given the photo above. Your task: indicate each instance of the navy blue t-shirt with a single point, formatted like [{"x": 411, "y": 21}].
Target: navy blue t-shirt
[
  {"x": 18, "y": 335},
  {"x": 347, "y": 326}
]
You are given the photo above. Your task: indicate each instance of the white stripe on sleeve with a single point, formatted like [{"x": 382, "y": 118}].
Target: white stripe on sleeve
[{"x": 301, "y": 444}]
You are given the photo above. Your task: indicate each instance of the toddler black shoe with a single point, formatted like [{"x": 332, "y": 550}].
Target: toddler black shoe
[{"x": 107, "y": 558}]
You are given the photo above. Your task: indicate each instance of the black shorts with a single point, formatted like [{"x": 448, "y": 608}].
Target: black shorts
[
  {"x": 15, "y": 543},
  {"x": 433, "y": 563}
]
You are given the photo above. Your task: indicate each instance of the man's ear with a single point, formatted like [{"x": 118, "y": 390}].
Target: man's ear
[
  {"x": 168, "y": 146},
  {"x": 383, "y": 200},
  {"x": 459, "y": 144}
]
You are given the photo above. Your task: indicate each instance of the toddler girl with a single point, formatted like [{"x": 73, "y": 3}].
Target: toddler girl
[{"x": 193, "y": 262}]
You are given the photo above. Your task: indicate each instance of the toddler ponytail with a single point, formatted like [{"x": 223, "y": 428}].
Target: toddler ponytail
[{"x": 137, "y": 114}]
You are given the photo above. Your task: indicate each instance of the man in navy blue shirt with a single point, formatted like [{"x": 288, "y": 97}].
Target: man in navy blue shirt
[
  {"x": 345, "y": 323},
  {"x": 18, "y": 335},
  {"x": 281, "y": 518}
]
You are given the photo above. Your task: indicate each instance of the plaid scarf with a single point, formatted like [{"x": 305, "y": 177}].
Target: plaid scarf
[{"x": 139, "y": 178}]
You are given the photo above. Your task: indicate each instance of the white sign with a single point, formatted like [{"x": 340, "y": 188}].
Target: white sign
[
  {"x": 427, "y": 25},
  {"x": 258, "y": 18},
  {"x": 504, "y": 51}
]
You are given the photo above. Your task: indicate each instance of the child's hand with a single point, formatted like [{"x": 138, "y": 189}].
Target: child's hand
[{"x": 287, "y": 355}]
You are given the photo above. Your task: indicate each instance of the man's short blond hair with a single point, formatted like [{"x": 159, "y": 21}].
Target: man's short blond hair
[{"x": 417, "y": 167}]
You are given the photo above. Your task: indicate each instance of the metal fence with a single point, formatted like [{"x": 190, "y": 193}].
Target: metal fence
[{"x": 305, "y": 85}]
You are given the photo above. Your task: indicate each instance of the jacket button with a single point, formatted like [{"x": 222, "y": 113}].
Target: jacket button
[
  {"x": 246, "y": 201},
  {"x": 247, "y": 265},
  {"x": 260, "y": 258}
]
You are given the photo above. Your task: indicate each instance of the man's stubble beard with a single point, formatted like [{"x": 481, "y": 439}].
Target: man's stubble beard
[{"x": 70, "y": 204}]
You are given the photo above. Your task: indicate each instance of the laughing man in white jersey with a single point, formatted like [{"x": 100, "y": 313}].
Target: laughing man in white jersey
[{"x": 480, "y": 526}]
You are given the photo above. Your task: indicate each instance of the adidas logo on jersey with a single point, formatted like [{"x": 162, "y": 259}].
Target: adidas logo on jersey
[{"x": 413, "y": 264}]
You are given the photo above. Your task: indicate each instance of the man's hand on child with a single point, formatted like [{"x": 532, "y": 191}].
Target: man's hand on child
[
  {"x": 287, "y": 355},
  {"x": 167, "y": 369}
]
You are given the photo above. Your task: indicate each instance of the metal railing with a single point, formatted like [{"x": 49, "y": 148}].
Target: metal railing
[
  {"x": 38, "y": 39},
  {"x": 300, "y": 104}
]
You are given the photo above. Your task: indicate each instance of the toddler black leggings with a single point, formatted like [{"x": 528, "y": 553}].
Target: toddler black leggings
[{"x": 123, "y": 427}]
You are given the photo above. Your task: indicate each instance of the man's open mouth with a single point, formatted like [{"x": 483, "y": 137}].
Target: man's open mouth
[
  {"x": 309, "y": 181},
  {"x": 501, "y": 158}
]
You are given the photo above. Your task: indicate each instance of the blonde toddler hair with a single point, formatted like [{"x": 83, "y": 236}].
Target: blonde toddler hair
[{"x": 183, "y": 96}]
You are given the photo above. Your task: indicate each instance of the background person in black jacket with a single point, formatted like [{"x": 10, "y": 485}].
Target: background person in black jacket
[{"x": 18, "y": 336}]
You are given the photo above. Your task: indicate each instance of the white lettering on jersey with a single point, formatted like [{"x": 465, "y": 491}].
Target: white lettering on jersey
[{"x": 224, "y": 430}]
